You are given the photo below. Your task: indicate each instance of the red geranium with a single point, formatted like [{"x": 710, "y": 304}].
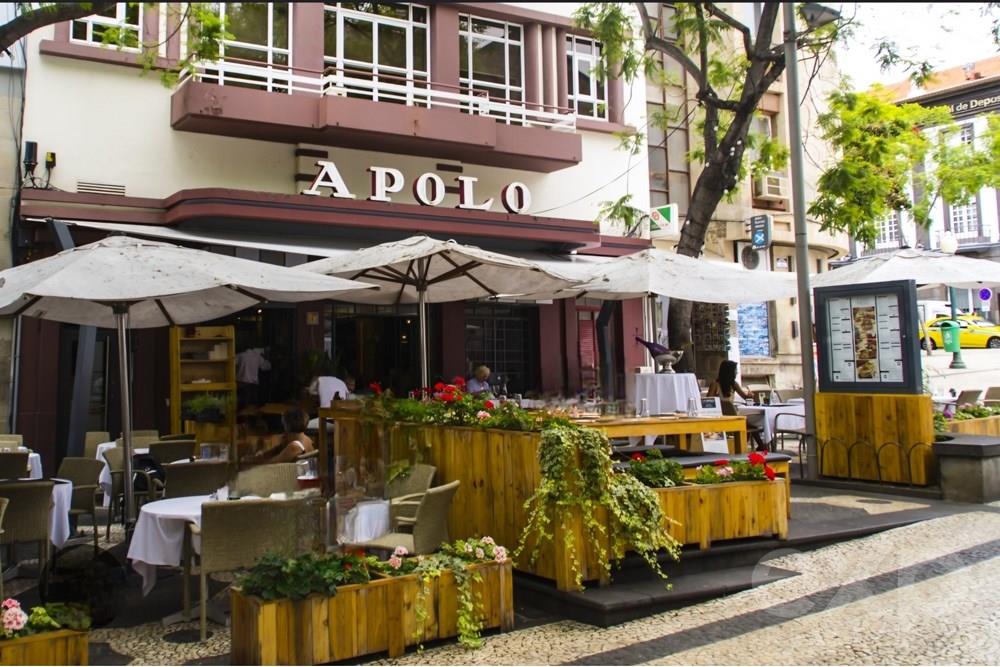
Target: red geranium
[
  {"x": 721, "y": 462},
  {"x": 769, "y": 472},
  {"x": 448, "y": 397},
  {"x": 458, "y": 381},
  {"x": 439, "y": 386},
  {"x": 638, "y": 457},
  {"x": 489, "y": 405},
  {"x": 376, "y": 387},
  {"x": 756, "y": 458}
]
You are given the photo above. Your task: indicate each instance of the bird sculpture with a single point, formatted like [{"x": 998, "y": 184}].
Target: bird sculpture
[{"x": 664, "y": 358}]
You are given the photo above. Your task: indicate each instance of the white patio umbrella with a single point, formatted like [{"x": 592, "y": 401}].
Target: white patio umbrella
[
  {"x": 122, "y": 282},
  {"x": 423, "y": 270},
  {"x": 925, "y": 267}
]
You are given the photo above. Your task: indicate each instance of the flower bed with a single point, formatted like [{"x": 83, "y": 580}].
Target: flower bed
[
  {"x": 300, "y": 615},
  {"x": 51, "y": 635}
]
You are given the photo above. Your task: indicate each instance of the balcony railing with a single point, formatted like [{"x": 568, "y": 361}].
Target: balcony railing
[{"x": 409, "y": 92}]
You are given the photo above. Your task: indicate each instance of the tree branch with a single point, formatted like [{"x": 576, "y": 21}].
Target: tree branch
[
  {"x": 710, "y": 133},
  {"x": 765, "y": 30},
  {"x": 34, "y": 19},
  {"x": 718, "y": 13},
  {"x": 654, "y": 42}
]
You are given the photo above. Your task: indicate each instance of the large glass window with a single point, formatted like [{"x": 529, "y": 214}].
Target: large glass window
[
  {"x": 125, "y": 18},
  {"x": 261, "y": 37},
  {"x": 491, "y": 62},
  {"x": 385, "y": 43},
  {"x": 964, "y": 220},
  {"x": 588, "y": 95},
  {"x": 888, "y": 231}
]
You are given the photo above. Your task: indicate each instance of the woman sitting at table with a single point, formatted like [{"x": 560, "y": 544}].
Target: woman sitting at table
[
  {"x": 725, "y": 385},
  {"x": 480, "y": 382},
  {"x": 294, "y": 442}
]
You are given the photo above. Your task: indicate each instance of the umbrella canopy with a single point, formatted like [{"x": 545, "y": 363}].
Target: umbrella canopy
[
  {"x": 443, "y": 270},
  {"x": 925, "y": 267},
  {"x": 653, "y": 271},
  {"x": 162, "y": 284}
]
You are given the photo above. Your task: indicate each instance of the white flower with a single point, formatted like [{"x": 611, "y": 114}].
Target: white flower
[
  {"x": 468, "y": 548},
  {"x": 482, "y": 414},
  {"x": 725, "y": 471},
  {"x": 400, "y": 551},
  {"x": 480, "y": 554},
  {"x": 488, "y": 540},
  {"x": 500, "y": 554}
]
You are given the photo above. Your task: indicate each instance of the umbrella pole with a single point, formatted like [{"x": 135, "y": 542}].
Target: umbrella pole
[
  {"x": 121, "y": 313},
  {"x": 422, "y": 316}
]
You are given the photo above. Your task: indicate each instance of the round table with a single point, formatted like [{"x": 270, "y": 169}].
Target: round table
[
  {"x": 665, "y": 393},
  {"x": 764, "y": 416},
  {"x": 363, "y": 522},
  {"x": 62, "y": 498},
  {"x": 159, "y": 535}
]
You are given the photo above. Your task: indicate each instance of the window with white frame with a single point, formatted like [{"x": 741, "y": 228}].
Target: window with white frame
[
  {"x": 260, "y": 45},
  {"x": 888, "y": 231},
  {"x": 966, "y": 134},
  {"x": 588, "y": 93},
  {"x": 964, "y": 220},
  {"x": 491, "y": 63},
  {"x": 387, "y": 44},
  {"x": 124, "y": 21}
]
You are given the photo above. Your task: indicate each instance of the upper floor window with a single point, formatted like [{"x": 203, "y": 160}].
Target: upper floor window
[
  {"x": 386, "y": 43},
  {"x": 261, "y": 36},
  {"x": 964, "y": 219},
  {"x": 888, "y": 231},
  {"x": 125, "y": 18},
  {"x": 491, "y": 61},
  {"x": 966, "y": 134},
  {"x": 588, "y": 94}
]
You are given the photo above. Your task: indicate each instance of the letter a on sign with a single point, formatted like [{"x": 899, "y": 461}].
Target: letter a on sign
[{"x": 328, "y": 177}]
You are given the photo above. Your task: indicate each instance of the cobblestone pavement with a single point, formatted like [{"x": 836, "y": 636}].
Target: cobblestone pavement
[{"x": 925, "y": 593}]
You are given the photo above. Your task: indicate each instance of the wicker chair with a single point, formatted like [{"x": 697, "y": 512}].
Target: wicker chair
[
  {"x": 91, "y": 440},
  {"x": 146, "y": 433},
  {"x": 115, "y": 460},
  {"x": 177, "y": 436},
  {"x": 234, "y": 535},
  {"x": 139, "y": 441},
  {"x": 3, "y": 508},
  {"x": 13, "y": 465},
  {"x": 84, "y": 473},
  {"x": 267, "y": 478},
  {"x": 26, "y": 518},
  {"x": 168, "y": 451},
  {"x": 430, "y": 524},
  {"x": 404, "y": 490},
  {"x": 194, "y": 479},
  {"x": 11, "y": 439}
]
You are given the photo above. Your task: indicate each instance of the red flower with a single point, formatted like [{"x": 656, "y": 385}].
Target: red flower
[
  {"x": 721, "y": 462},
  {"x": 458, "y": 381},
  {"x": 376, "y": 387},
  {"x": 439, "y": 386},
  {"x": 638, "y": 457},
  {"x": 489, "y": 405},
  {"x": 347, "y": 566},
  {"x": 769, "y": 472},
  {"x": 448, "y": 397},
  {"x": 451, "y": 388},
  {"x": 756, "y": 458}
]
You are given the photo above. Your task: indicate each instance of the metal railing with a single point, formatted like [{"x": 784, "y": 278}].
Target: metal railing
[{"x": 378, "y": 87}]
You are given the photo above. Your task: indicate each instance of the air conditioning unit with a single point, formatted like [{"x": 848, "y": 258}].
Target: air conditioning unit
[
  {"x": 770, "y": 187},
  {"x": 754, "y": 260}
]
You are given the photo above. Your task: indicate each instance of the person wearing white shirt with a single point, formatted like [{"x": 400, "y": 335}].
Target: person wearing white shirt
[{"x": 249, "y": 363}]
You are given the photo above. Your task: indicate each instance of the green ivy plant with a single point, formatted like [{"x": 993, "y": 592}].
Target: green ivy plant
[
  {"x": 578, "y": 480},
  {"x": 655, "y": 471},
  {"x": 275, "y": 577}
]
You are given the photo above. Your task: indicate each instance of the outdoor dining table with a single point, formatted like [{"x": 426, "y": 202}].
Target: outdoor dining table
[
  {"x": 682, "y": 426},
  {"x": 159, "y": 535},
  {"x": 764, "y": 416},
  {"x": 365, "y": 521},
  {"x": 104, "y": 479},
  {"x": 665, "y": 393}
]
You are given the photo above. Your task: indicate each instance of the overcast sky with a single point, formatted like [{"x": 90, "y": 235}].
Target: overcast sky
[{"x": 948, "y": 34}]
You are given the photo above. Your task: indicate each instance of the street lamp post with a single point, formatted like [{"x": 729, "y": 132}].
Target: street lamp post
[
  {"x": 949, "y": 244},
  {"x": 815, "y": 16}
]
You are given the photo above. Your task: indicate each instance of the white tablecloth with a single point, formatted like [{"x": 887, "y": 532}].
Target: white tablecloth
[
  {"x": 105, "y": 478},
  {"x": 764, "y": 416},
  {"x": 159, "y": 535},
  {"x": 666, "y": 392},
  {"x": 365, "y": 521},
  {"x": 34, "y": 466}
]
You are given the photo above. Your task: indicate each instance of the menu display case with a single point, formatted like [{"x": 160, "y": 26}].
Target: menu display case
[{"x": 867, "y": 338}]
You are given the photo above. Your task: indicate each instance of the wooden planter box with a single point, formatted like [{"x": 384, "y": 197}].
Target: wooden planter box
[
  {"x": 362, "y": 619},
  {"x": 734, "y": 510},
  {"x": 61, "y": 647},
  {"x": 982, "y": 426}
]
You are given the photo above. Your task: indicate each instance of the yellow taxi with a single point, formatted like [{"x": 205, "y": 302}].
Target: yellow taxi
[{"x": 976, "y": 332}]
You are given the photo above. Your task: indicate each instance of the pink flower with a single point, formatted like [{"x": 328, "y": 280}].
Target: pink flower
[
  {"x": 10, "y": 603},
  {"x": 480, "y": 554},
  {"x": 395, "y": 562},
  {"x": 482, "y": 414},
  {"x": 500, "y": 554},
  {"x": 400, "y": 551},
  {"x": 724, "y": 471},
  {"x": 488, "y": 540},
  {"x": 14, "y": 619}
]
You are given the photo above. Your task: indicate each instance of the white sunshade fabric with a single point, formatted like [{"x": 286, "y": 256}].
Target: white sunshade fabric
[
  {"x": 448, "y": 271},
  {"x": 163, "y": 284},
  {"x": 925, "y": 267},
  {"x": 654, "y": 271}
]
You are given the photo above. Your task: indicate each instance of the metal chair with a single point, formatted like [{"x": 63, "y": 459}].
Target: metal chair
[
  {"x": 405, "y": 489},
  {"x": 430, "y": 524},
  {"x": 26, "y": 518},
  {"x": 91, "y": 440},
  {"x": 234, "y": 535},
  {"x": 114, "y": 457},
  {"x": 267, "y": 478},
  {"x": 169, "y": 451},
  {"x": 13, "y": 465},
  {"x": 200, "y": 478},
  {"x": 84, "y": 473},
  {"x": 780, "y": 432}
]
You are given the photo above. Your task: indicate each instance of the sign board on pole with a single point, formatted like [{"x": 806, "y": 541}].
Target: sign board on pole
[
  {"x": 985, "y": 295},
  {"x": 760, "y": 232}
]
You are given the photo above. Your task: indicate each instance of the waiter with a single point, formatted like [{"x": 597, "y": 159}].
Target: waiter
[{"x": 249, "y": 363}]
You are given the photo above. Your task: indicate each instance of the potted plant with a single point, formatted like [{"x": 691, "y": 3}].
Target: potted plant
[
  {"x": 55, "y": 634},
  {"x": 206, "y": 408}
]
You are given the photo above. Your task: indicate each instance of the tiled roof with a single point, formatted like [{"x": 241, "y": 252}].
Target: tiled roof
[{"x": 953, "y": 77}]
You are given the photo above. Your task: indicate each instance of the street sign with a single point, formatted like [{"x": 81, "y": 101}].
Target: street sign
[
  {"x": 760, "y": 232},
  {"x": 985, "y": 295},
  {"x": 665, "y": 219}
]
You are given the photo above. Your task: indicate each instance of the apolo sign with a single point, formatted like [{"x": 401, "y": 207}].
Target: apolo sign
[{"x": 428, "y": 188}]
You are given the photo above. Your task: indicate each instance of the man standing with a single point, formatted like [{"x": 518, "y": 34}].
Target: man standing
[{"x": 249, "y": 363}]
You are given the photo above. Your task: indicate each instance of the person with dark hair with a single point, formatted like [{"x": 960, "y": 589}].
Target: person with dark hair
[
  {"x": 294, "y": 442},
  {"x": 725, "y": 384}
]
